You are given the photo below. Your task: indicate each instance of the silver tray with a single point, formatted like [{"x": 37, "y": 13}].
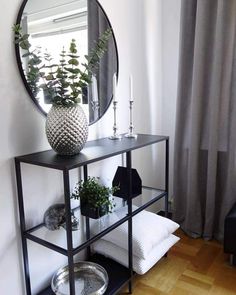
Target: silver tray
[{"x": 90, "y": 279}]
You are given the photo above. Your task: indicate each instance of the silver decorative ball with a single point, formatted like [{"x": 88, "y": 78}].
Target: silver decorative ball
[
  {"x": 55, "y": 217},
  {"x": 66, "y": 129}
]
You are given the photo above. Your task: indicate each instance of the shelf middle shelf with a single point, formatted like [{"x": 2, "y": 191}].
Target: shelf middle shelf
[{"x": 56, "y": 240}]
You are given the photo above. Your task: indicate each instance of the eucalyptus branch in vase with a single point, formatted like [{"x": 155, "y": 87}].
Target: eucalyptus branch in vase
[{"x": 62, "y": 82}]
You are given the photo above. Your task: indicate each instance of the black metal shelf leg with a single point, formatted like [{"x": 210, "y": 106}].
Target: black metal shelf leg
[
  {"x": 130, "y": 232},
  {"x": 69, "y": 231},
  {"x": 167, "y": 179},
  {"x": 22, "y": 226},
  {"x": 87, "y": 218}
]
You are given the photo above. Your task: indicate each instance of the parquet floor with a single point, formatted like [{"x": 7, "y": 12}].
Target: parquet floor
[{"x": 193, "y": 267}]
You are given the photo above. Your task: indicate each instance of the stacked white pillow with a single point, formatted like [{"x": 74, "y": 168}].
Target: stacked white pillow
[{"x": 152, "y": 238}]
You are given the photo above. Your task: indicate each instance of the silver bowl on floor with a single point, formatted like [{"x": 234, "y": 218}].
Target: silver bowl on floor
[{"x": 90, "y": 279}]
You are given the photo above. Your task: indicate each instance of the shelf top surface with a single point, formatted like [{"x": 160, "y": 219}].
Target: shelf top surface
[{"x": 93, "y": 151}]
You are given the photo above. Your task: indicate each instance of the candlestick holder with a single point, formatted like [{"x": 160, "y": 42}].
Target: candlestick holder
[
  {"x": 115, "y": 134},
  {"x": 131, "y": 133}
]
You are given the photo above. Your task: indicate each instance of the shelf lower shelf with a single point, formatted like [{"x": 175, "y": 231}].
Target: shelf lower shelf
[{"x": 118, "y": 275}]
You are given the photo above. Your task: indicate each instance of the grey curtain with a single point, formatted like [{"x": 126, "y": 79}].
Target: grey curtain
[
  {"x": 97, "y": 24},
  {"x": 205, "y": 138}
]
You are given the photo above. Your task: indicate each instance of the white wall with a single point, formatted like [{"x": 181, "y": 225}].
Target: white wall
[
  {"x": 156, "y": 88},
  {"x": 170, "y": 58},
  {"x": 144, "y": 51}
]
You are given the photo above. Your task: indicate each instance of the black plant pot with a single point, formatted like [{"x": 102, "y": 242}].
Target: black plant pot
[{"x": 91, "y": 212}]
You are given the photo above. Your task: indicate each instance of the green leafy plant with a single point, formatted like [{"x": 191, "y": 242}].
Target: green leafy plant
[
  {"x": 94, "y": 194},
  {"x": 61, "y": 82}
]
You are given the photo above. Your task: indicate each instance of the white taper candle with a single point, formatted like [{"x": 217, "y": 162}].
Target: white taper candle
[
  {"x": 114, "y": 87},
  {"x": 131, "y": 88},
  {"x": 94, "y": 89}
]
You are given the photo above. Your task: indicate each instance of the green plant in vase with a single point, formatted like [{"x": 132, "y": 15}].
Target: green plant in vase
[
  {"x": 62, "y": 83},
  {"x": 94, "y": 197}
]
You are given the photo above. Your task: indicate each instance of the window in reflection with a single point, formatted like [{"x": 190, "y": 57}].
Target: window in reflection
[{"x": 52, "y": 31}]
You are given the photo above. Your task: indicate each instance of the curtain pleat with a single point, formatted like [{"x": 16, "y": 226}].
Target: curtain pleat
[{"x": 204, "y": 180}]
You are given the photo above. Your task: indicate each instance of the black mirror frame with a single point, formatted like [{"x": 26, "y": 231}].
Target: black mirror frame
[{"x": 19, "y": 63}]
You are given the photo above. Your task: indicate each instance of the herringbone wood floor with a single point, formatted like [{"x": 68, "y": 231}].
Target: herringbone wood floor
[{"x": 193, "y": 267}]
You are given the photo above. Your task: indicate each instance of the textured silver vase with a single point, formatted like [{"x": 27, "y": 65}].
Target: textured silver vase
[{"x": 67, "y": 129}]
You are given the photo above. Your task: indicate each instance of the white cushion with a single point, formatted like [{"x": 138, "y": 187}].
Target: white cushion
[
  {"x": 140, "y": 265},
  {"x": 170, "y": 225},
  {"x": 149, "y": 229}
]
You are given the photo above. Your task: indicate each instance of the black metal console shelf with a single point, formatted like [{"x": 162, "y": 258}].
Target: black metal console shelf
[{"x": 93, "y": 151}]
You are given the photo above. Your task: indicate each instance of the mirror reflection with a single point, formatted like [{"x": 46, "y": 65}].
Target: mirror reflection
[{"x": 52, "y": 24}]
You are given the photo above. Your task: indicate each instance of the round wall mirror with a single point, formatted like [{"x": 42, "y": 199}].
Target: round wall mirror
[{"x": 52, "y": 24}]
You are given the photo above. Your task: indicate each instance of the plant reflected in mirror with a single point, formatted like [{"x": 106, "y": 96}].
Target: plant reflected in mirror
[
  {"x": 52, "y": 25},
  {"x": 61, "y": 82}
]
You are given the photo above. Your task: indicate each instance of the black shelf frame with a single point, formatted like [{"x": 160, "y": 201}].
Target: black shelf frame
[{"x": 93, "y": 151}]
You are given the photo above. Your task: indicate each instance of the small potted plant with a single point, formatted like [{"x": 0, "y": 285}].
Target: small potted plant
[{"x": 94, "y": 197}]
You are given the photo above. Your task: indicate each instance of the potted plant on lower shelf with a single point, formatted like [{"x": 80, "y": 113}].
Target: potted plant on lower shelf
[{"x": 95, "y": 199}]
